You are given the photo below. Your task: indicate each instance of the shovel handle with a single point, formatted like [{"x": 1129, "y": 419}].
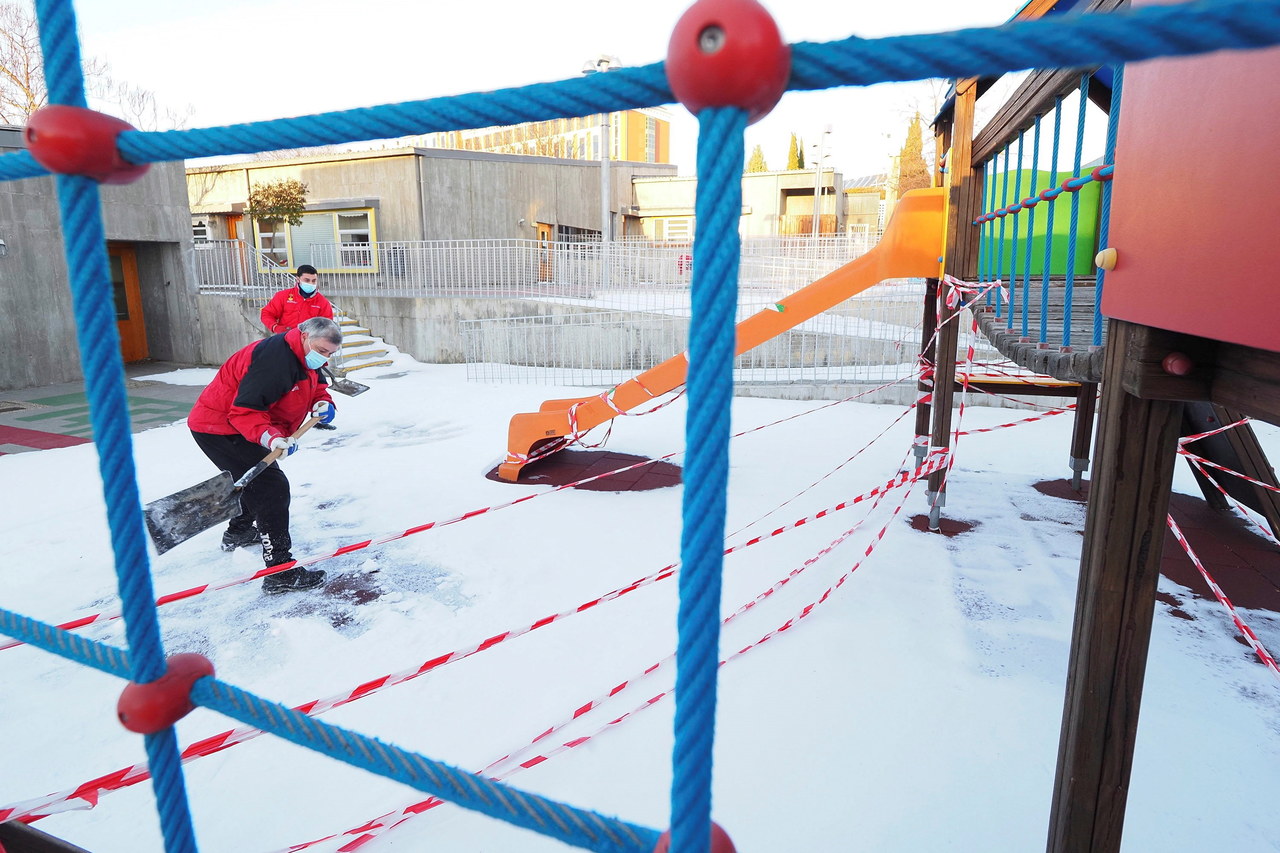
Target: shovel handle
[{"x": 272, "y": 456}]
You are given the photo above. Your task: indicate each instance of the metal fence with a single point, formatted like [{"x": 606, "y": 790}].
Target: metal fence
[
  {"x": 602, "y": 334},
  {"x": 872, "y": 337},
  {"x": 641, "y": 274}
]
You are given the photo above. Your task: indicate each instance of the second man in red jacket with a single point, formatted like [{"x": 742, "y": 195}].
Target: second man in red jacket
[{"x": 292, "y": 306}]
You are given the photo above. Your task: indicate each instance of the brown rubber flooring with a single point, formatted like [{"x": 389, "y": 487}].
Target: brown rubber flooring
[
  {"x": 570, "y": 466},
  {"x": 1245, "y": 564}
]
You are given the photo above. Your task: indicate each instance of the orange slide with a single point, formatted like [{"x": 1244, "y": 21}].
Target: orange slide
[{"x": 911, "y": 247}]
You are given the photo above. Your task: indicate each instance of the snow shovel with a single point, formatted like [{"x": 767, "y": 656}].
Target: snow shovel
[
  {"x": 343, "y": 385},
  {"x": 174, "y": 519}
]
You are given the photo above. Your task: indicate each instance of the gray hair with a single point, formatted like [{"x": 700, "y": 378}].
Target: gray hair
[{"x": 322, "y": 327}]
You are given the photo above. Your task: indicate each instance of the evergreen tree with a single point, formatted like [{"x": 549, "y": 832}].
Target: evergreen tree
[
  {"x": 913, "y": 174},
  {"x": 756, "y": 162},
  {"x": 793, "y": 154},
  {"x": 800, "y": 153}
]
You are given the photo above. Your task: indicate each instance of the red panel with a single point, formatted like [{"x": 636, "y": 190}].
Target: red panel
[
  {"x": 37, "y": 439},
  {"x": 1194, "y": 209}
]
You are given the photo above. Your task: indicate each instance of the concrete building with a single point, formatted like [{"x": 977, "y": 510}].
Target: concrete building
[
  {"x": 641, "y": 136},
  {"x": 149, "y": 241},
  {"x": 412, "y": 194},
  {"x": 866, "y": 202},
  {"x": 773, "y": 204}
]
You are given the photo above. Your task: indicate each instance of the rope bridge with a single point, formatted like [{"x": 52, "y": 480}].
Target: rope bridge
[
  {"x": 728, "y": 65},
  {"x": 1047, "y": 316}
]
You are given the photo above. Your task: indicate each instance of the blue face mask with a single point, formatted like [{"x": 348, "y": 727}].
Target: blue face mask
[
  {"x": 306, "y": 287},
  {"x": 315, "y": 360}
]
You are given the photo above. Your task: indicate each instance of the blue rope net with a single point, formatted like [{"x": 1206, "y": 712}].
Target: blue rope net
[{"x": 1071, "y": 42}]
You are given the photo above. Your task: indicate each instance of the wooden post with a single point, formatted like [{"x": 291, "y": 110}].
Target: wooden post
[
  {"x": 1082, "y": 431},
  {"x": 929, "y": 354},
  {"x": 962, "y": 262},
  {"x": 1115, "y": 602}
]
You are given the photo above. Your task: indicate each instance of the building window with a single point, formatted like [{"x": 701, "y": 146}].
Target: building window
[
  {"x": 273, "y": 244},
  {"x": 200, "y": 230},
  {"x": 330, "y": 240},
  {"x": 650, "y": 140},
  {"x": 355, "y": 239},
  {"x": 676, "y": 229}
]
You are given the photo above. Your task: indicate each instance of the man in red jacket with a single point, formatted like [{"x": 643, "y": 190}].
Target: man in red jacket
[
  {"x": 261, "y": 395},
  {"x": 291, "y": 306}
]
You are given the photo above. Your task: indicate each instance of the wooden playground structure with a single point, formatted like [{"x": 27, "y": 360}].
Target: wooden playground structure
[{"x": 1192, "y": 337}]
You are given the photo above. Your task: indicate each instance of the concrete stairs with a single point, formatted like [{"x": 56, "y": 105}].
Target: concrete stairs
[{"x": 360, "y": 347}]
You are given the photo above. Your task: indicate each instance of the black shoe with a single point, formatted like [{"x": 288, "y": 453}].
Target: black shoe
[
  {"x": 292, "y": 580},
  {"x": 325, "y": 426},
  {"x": 232, "y": 540}
]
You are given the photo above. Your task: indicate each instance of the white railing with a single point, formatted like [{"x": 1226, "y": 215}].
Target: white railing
[
  {"x": 236, "y": 268},
  {"x": 643, "y": 275},
  {"x": 594, "y": 335},
  {"x": 872, "y": 337}
]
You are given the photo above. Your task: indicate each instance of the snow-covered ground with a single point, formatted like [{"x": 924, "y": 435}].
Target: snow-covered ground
[{"x": 917, "y": 709}]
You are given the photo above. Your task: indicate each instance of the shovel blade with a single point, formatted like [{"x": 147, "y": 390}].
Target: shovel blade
[
  {"x": 345, "y": 386},
  {"x": 174, "y": 519}
]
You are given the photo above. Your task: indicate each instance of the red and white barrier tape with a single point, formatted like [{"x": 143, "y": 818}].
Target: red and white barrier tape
[
  {"x": 1251, "y": 638},
  {"x": 812, "y": 485},
  {"x": 87, "y": 793},
  {"x": 1187, "y": 439},
  {"x": 1027, "y": 420},
  {"x": 1200, "y": 461},
  {"x": 369, "y": 830}
]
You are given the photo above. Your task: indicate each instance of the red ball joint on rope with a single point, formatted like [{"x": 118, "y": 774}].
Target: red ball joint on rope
[
  {"x": 78, "y": 141},
  {"x": 720, "y": 842},
  {"x": 154, "y": 706},
  {"x": 728, "y": 53}
]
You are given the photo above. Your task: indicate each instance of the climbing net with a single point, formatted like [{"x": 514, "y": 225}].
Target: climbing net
[{"x": 729, "y": 66}]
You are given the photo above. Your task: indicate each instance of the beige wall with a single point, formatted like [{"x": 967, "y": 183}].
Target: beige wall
[
  {"x": 767, "y": 198},
  {"x": 437, "y": 194},
  {"x": 37, "y": 328}
]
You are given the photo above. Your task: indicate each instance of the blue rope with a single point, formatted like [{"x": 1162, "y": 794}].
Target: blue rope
[
  {"x": 1104, "y": 217},
  {"x": 60, "y": 46},
  {"x": 714, "y": 296},
  {"x": 1073, "y": 234},
  {"x": 92, "y": 298},
  {"x": 1004, "y": 202},
  {"x": 1031, "y": 220},
  {"x": 1013, "y": 243},
  {"x": 622, "y": 89},
  {"x": 990, "y": 169},
  {"x": 1048, "y": 225},
  {"x": 1067, "y": 42},
  {"x": 1076, "y": 41},
  {"x": 20, "y": 164},
  {"x": 577, "y": 827},
  {"x": 100, "y": 656}
]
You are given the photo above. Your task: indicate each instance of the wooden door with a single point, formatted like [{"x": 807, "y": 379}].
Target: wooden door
[
  {"x": 128, "y": 299},
  {"x": 546, "y": 269},
  {"x": 233, "y": 226}
]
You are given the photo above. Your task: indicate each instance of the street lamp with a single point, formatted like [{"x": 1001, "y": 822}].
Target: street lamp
[
  {"x": 599, "y": 65},
  {"x": 817, "y": 179}
]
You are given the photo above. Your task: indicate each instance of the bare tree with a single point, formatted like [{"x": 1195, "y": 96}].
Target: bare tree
[
  {"x": 22, "y": 87},
  {"x": 140, "y": 108}
]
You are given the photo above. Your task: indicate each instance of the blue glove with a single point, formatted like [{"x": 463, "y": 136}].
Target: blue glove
[
  {"x": 324, "y": 410},
  {"x": 288, "y": 445}
]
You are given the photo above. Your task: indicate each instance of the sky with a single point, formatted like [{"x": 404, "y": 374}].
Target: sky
[
  {"x": 245, "y": 61},
  {"x": 916, "y": 709}
]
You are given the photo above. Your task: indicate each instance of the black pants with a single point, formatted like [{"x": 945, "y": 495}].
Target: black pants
[{"x": 264, "y": 502}]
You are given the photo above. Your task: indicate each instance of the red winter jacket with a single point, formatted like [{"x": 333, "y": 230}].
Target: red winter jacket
[
  {"x": 264, "y": 388},
  {"x": 289, "y": 308}
]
